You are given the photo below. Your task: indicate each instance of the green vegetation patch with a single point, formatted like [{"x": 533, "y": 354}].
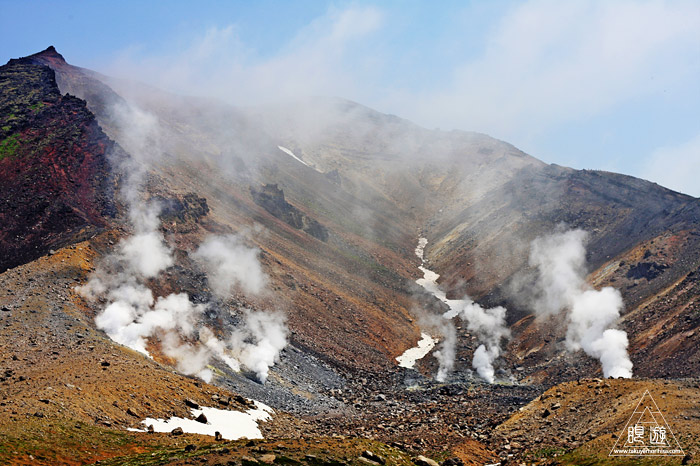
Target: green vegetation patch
[
  {"x": 9, "y": 146},
  {"x": 317, "y": 452},
  {"x": 62, "y": 440}
]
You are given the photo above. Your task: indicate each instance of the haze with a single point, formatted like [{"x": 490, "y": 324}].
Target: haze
[{"x": 606, "y": 85}]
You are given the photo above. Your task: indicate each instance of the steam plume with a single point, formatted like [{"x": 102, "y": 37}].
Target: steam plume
[
  {"x": 560, "y": 259},
  {"x": 258, "y": 343},
  {"x": 132, "y": 314},
  {"x": 230, "y": 263},
  {"x": 489, "y": 325},
  {"x": 445, "y": 354}
]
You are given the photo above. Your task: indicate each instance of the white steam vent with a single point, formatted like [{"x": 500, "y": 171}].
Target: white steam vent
[
  {"x": 132, "y": 314},
  {"x": 561, "y": 287}
]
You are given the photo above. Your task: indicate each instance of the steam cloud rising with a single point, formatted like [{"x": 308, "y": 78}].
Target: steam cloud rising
[
  {"x": 561, "y": 287},
  {"x": 560, "y": 259},
  {"x": 230, "y": 263},
  {"x": 132, "y": 314}
]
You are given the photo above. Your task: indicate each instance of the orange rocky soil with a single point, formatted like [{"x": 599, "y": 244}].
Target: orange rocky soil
[
  {"x": 579, "y": 422},
  {"x": 67, "y": 392}
]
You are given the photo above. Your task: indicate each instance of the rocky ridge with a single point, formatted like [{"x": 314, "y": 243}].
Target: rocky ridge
[{"x": 56, "y": 182}]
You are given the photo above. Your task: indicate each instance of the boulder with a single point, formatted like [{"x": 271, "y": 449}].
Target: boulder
[
  {"x": 453, "y": 462},
  {"x": 373, "y": 457},
  {"x": 421, "y": 460}
]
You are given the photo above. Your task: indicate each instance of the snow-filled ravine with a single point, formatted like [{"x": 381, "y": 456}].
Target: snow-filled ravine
[
  {"x": 232, "y": 425},
  {"x": 429, "y": 282}
]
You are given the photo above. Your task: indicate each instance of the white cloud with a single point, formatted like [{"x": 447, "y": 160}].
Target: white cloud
[
  {"x": 320, "y": 60},
  {"x": 676, "y": 167},
  {"x": 544, "y": 67},
  {"x": 549, "y": 62}
]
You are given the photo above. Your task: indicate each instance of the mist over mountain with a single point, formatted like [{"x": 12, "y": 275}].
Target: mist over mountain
[{"x": 214, "y": 253}]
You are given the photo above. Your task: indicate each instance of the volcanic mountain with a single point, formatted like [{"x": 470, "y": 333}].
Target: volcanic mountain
[{"x": 334, "y": 196}]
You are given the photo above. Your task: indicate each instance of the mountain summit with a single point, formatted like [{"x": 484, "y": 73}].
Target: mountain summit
[{"x": 49, "y": 56}]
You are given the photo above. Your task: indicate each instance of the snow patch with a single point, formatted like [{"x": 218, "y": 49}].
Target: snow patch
[
  {"x": 232, "y": 425},
  {"x": 290, "y": 153},
  {"x": 420, "y": 249},
  {"x": 410, "y": 356}
]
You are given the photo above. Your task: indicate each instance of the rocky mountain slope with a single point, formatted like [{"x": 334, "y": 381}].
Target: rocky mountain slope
[
  {"x": 334, "y": 196},
  {"x": 481, "y": 203},
  {"x": 56, "y": 181}
]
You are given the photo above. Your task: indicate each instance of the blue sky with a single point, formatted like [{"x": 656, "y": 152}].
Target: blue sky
[{"x": 603, "y": 84}]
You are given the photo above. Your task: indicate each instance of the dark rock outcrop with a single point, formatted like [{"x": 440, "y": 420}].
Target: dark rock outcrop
[
  {"x": 647, "y": 270},
  {"x": 271, "y": 198},
  {"x": 183, "y": 211}
]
